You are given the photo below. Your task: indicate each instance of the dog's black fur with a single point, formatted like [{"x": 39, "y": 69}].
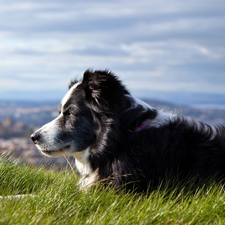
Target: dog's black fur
[{"x": 119, "y": 154}]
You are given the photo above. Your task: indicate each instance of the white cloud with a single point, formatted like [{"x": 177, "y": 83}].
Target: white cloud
[
  {"x": 173, "y": 44},
  {"x": 23, "y": 6}
]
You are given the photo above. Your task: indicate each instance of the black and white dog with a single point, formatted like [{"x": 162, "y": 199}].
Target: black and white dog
[{"x": 119, "y": 139}]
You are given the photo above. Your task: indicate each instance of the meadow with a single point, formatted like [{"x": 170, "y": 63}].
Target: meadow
[{"x": 53, "y": 198}]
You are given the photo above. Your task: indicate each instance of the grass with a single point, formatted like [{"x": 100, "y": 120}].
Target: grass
[{"x": 57, "y": 200}]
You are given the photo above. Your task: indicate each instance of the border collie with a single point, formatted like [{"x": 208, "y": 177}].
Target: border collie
[{"x": 122, "y": 141}]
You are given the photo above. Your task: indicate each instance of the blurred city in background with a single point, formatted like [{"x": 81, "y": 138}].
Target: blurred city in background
[{"x": 169, "y": 53}]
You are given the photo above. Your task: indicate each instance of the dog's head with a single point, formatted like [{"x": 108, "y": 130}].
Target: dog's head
[{"x": 96, "y": 99}]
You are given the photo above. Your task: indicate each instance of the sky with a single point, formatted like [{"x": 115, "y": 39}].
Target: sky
[{"x": 169, "y": 50}]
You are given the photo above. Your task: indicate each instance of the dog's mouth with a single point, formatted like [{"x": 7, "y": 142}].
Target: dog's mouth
[{"x": 50, "y": 152}]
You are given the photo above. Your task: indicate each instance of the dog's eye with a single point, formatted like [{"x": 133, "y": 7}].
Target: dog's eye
[{"x": 67, "y": 113}]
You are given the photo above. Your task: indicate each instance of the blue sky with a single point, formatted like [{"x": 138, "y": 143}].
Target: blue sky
[{"x": 167, "y": 49}]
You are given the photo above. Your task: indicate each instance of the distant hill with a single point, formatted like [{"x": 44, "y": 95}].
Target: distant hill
[
  {"x": 207, "y": 115},
  {"x": 39, "y": 113}
]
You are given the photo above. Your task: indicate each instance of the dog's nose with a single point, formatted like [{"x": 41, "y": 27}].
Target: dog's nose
[{"x": 34, "y": 137}]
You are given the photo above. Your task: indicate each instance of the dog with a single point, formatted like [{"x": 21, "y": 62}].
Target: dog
[{"x": 124, "y": 142}]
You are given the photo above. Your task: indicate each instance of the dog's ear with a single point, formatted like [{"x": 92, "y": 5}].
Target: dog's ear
[
  {"x": 134, "y": 117},
  {"x": 103, "y": 91}
]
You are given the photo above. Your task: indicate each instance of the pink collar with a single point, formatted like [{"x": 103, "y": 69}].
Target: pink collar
[{"x": 144, "y": 125}]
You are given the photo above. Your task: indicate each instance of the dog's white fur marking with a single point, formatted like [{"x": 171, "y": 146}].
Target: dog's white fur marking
[
  {"x": 88, "y": 177},
  {"x": 51, "y": 130},
  {"x": 140, "y": 102},
  {"x": 68, "y": 94},
  {"x": 82, "y": 161},
  {"x": 162, "y": 117}
]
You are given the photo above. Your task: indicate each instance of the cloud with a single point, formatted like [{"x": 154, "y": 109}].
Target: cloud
[{"x": 172, "y": 45}]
